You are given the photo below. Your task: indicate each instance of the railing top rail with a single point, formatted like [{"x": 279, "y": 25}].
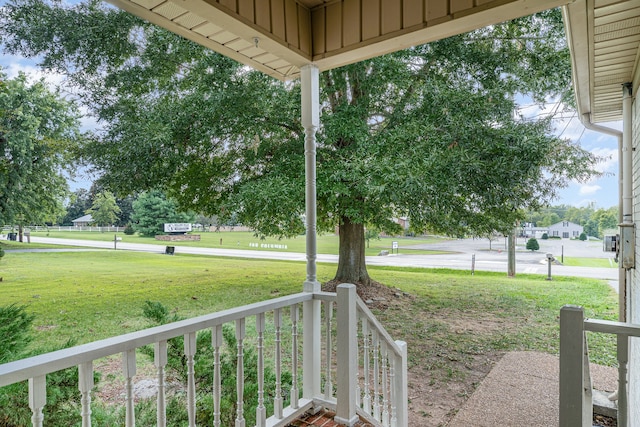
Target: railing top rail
[
  {"x": 23, "y": 369},
  {"x": 611, "y": 327},
  {"x": 362, "y": 307}
]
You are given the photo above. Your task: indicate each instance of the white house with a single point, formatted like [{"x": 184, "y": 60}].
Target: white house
[{"x": 565, "y": 230}]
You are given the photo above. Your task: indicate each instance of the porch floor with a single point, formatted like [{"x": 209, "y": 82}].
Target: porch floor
[
  {"x": 323, "y": 418},
  {"x": 522, "y": 390}
]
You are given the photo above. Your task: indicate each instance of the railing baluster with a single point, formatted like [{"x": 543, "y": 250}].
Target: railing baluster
[
  {"x": 37, "y": 399},
  {"x": 376, "y": 375},
  {"x": 129, "y": 370},
  {"x": 216, "y": 342},
  {"x": 240, "y": 335},
  {"x": 85, "y": 384},
  {"x": 385, "y": 388},
  {"x": 261, "y": 411},
  {"x": 366, "y": 403},
  {"x": 277, "y": 400},
  {"x": 357, "y": 370},
  {"x": 160, "y": 361},
  {"x": 190, "y": 353},
  {"x": 295, "y": 317},
  {"x": 328, "y": 316}
]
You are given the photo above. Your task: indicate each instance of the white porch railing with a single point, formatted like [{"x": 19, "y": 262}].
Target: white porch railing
[
  {"x": 367, "y": 378},
  {"x": 576, "y": 406}
]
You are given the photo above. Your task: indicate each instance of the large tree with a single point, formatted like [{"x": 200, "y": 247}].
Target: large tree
[
  {"x": 432, "y": 132},
  {"x": 38, "y": 130}
]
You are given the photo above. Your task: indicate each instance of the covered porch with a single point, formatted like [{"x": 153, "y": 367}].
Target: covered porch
[{"x": 339, "y": 356}]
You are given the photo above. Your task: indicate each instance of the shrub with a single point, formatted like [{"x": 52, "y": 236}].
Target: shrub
[
  {"x": 545, "y": 236},
  {"x": 62, "y": 386},
  {"x": 128, "y": 230},
  {"x": 532, "y": 244},
  {"x": 583, "y": 236}
]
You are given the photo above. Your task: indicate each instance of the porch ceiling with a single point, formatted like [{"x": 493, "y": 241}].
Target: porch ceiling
[
  {"x": 604, "y": 37},
  {"x": 278, "y": 37}
]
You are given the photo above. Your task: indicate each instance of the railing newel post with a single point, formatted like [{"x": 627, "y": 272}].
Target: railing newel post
[
  {"x": 347, "y": 362},
  {"x": 575, "y": 387},
  {"x": 400, "y": 386}
]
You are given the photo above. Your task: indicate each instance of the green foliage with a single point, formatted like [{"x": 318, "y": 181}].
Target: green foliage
[
  {"x": 128, "y": 230},
  {"x": 371, "y": 234},
  {"x": 152, "y": 210},
  {"x": 38, "y": 131},
  {"x": 15, "y": 330},
  {"x": 1, "y": 252},
  {"x": 431, "y": 132},
  {"x": 104, "y": 209},
  {"x": 545, "y": 236},
  {"x": 583, "y": 236},
  {"x": 532, "y": 244},
  {"x": 62, "y": 386}
]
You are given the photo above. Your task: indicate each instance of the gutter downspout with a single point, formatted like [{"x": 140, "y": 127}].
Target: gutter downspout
[{"x": 622, "y": 276}]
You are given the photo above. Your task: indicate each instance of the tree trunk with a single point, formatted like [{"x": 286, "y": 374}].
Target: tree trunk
[
  {"x": 351, "y": 263},
  {"x": 20, "y": 232}
]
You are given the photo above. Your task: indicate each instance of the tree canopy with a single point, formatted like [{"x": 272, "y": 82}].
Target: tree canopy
[
  {"x": 152, "y": 210},
  {"x": 432, "y": 132},
  {"x": 38, "y": 131}
]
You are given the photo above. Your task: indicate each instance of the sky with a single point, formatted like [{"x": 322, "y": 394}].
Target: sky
[{"x": 603, "y": 191}]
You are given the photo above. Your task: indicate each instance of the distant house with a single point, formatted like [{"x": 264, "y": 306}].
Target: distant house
[
  {"x": 566, "y": 230},
  {"x": 83, "y": 221}
]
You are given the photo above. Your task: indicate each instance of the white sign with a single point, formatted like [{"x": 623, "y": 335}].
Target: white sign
[
  {"x": 177, "y": 228},
  {"x": 394, "y": 245}
]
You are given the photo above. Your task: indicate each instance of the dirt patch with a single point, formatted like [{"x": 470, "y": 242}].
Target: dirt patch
[{"x": 375, "y": 294}]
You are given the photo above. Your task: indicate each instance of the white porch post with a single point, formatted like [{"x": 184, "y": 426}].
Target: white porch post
[{"x": 310, "y": 82}]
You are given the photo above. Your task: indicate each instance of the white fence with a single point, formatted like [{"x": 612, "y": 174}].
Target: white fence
[{"x": 368, "y": 377}]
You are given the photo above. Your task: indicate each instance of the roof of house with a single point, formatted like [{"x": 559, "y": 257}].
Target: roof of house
[
  {"x": 604, "y": 37},
  {"x": 85, "y": 218},
  {"x": 279, "y": 37}
]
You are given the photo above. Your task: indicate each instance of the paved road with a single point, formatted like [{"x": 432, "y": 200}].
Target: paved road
[{"x": 459, "y": 258}]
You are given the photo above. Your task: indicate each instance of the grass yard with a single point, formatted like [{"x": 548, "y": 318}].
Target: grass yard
[
  {"x": 456, "y": 325},
  {"x": 327, "y": 243},
  {"x": 590, "y": 262}
]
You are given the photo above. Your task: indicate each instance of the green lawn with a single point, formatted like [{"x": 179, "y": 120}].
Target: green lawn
[
  {"x": 327, "y": 244},
  {"x": 590, "y": 262},
  {"x": 92, "y": 295}
]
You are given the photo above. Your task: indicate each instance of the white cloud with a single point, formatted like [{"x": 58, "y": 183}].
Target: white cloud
[{"x": 589, "y": 189}]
